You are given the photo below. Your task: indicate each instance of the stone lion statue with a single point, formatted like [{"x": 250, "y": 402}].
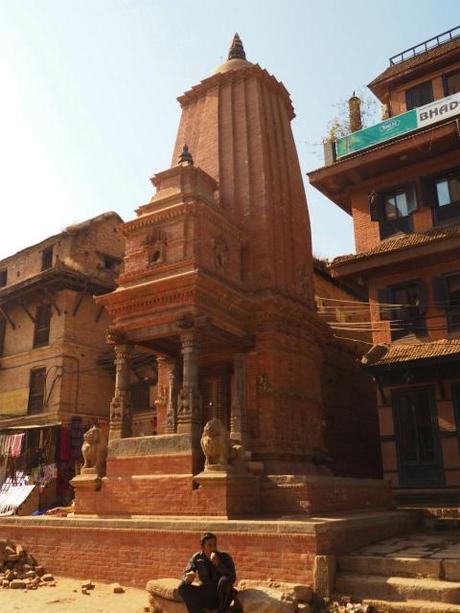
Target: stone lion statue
[
  {"x": 94, "y": 451},
  {"x": 215, "y": 443}
]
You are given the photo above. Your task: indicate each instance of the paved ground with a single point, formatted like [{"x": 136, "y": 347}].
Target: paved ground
[
  {"x": 423, "y": 544},
  {"x": 64, "y": 598}
]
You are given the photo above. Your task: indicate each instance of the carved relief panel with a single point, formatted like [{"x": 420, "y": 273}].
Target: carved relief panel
[{"x": 155, "y": 243}]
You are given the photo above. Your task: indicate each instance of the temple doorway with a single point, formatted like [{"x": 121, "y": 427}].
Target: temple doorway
[
  {"x": 417, "y": 438},
  {"x": 215, "y": 390}
]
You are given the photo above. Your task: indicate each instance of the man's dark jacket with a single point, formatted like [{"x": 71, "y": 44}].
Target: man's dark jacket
[{"x": 209, "y": 573}]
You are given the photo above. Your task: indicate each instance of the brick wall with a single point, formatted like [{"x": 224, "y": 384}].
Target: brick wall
[
  {"x": 349, "y": 413},
  {"x": 132, "y": 556}
]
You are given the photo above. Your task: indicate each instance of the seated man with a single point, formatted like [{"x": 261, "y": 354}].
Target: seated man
[{"x": 216, "y": 572}]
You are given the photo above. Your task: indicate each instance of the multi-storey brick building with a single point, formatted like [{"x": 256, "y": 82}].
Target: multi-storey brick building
[
  {"x": 52, "y": 336},
  {"x": 400, "y": 181}
]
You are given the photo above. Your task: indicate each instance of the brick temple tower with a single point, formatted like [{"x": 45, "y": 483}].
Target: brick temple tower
[{"x": 218, "y": 275}]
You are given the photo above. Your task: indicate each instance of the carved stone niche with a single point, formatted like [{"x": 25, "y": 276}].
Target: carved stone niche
[
  {"x": 155, "y": 244},
  {"x": 220, "y": 253}
]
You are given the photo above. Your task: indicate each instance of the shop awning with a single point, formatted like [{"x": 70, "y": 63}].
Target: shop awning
[{"x": 32, "y": 426}]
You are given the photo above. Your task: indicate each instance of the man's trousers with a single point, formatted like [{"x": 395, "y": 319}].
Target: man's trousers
[{"x": 199, "y": 597}]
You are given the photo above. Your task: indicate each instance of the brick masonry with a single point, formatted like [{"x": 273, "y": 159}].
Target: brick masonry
[{"x": 282, "y": 551}]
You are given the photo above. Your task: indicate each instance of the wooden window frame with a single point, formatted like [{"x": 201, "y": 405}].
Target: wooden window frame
[
  {"x": 445, "y": 77},
  {"x": 42, "y": 330},
  {"x": 442, "y": 300},
  {"x": 401, "y": 223},
  {"x": 411, "y": 90},
  {"x": 415, "y": 324},
  {"x": 37, "y": 389},
  {"x": 47, "y": 258},
  {"x": 2, "y": 334}
]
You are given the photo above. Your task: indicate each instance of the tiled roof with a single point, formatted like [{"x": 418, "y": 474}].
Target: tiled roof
[
  {"x": 401, "y": 242},
  {"x": 416, "y": 61},
  {"x": 380, "y": 355}
]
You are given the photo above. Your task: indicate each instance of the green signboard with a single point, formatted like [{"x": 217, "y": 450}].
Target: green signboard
[
  {"x": 395, "y": 126},
  {"x": 425, "y": 115}
]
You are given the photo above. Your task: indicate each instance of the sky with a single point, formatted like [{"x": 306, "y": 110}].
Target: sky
[{"x": 88, "y": 89}]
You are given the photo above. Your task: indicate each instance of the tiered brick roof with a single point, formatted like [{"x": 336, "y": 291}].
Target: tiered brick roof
[
  {"x": 381, "y": 355},
  {"x": 401, "y": 242}
]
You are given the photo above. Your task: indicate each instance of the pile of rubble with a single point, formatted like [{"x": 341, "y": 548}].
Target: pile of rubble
[
  {"x": 20, "y": 570},
  {"x": 345, "y": 605}
]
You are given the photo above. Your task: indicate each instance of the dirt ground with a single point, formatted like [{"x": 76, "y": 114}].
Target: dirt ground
[{"x": 64, "y": 599}]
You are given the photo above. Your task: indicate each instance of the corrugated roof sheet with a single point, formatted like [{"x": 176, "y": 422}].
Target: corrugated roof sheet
[
  {"x": 401, "y": 242},
  {"x": 380, "y": 355}
]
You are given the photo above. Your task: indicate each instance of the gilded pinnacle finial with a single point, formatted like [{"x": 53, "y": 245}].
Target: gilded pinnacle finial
[
  {"x": 236, "y": 50},
  {"x": 185, "y": 157}
]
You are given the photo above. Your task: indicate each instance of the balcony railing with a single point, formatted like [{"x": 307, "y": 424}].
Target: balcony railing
[{"x": 427, "y": 45}]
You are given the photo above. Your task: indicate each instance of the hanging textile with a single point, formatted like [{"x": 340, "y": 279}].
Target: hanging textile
[
  {"x": 64, "y": 444},
  {"x": 16, "y": 445},
  {"x": 14, "y": 492}
]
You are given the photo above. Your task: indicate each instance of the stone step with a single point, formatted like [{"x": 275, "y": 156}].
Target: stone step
[
  {"x": 391, "y": 567},
  {"x": 397, "y": 588},
  {"x": 433, "y": 498},
  {"x": 412, "y": 606}
]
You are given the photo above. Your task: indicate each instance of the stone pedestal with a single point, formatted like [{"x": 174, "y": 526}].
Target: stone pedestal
[
  {"x": 88, "y": 479},
  {"x": 227, "y": 493}
]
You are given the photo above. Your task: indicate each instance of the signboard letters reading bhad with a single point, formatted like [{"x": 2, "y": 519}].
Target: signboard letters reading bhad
[
  {"x": 399, "y": 124},
  {"x": 438, "y": 110}
]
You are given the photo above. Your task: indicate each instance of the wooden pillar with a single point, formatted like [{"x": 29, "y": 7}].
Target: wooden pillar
[
  {"x": 171, "y": 411},
  {"x": 120, "y": 407},
  {"x": 189, "y": 404},
  {"x": 237, "y": 416}
]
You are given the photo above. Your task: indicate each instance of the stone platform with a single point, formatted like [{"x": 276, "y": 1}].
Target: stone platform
[
  {"x": 162, "y": 475},
  {"x": 137, "y": 549},
  {"x": 419, "y": 571}
]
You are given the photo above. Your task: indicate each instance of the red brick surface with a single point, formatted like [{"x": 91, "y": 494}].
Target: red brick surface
[
  {"x": 132, "y": 556},
  {"x": 321, "y": 495}
]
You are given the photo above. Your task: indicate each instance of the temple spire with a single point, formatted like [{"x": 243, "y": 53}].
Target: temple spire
[
  {"x": 236, "y": 50},
  {"x": 185, "y": 158}
]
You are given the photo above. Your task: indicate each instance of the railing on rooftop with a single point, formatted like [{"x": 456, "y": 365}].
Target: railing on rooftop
[{"x": 427, "y": 45}]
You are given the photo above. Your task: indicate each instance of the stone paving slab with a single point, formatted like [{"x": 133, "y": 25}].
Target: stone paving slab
[{"x": 425, "y": 544}]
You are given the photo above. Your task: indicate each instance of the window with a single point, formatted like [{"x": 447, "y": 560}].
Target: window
[
  {"x": 452, "y": 83},
  {"x": 407, "y": 316},
  {"x": 448, "y": 188},
  {"x": 36, "y": 390},
  {"x": 456, "y": 400},
  {"x": 419, "y": 95},
  {"x": 111, "y": 263},
  {"x": 446, "y": 292},
  {"x": 442, "y": 193},
  {"x": 2, "y": 334},
  {"x": 47, "y": 258},
  {"x": 393, "y": 208},
  {"x": 3, "y": 277},
  {"x": 400, "y": 202},
  {"x": 42, "y": 326}
]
